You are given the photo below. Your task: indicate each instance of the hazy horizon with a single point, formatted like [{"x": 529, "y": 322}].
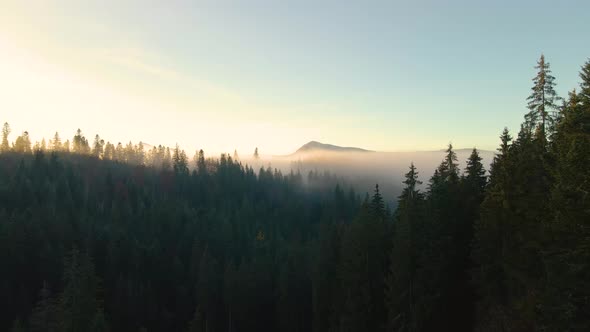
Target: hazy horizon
[
  {"x": 223, "y": 76},
  {"x": 288, "y": 166}
]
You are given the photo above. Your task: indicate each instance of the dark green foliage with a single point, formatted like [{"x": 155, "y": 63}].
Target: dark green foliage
[
  {"x": 157, "y": 243},
  {"x": 163, "y": 245},
  {"x": 405, "y": 278},
  {"x": 78, "y": 304},
  {"x": 474, "y": 180},
  {"x": 566, "y": 252},
  {"x": 543, "y": 100},
  {"x": 531, "y": 244},
  {"x": 585, "y": 84}
]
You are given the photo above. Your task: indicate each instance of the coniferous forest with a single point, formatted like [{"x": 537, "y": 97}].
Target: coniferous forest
[{"x": 102, "y": 237}]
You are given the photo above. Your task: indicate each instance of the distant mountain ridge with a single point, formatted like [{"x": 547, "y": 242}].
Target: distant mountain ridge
[
  {"x": 318, "y": 146},
  {"x": 315, "y": 146}
]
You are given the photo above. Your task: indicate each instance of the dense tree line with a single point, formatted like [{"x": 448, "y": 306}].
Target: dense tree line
[{"x": 98, "y": 237}]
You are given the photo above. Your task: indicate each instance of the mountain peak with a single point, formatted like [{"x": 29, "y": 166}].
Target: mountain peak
[{"x": 318, "y": 146}]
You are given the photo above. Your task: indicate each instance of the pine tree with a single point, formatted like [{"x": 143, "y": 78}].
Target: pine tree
[
  {"x": 450, "y": 165},
  {"x": 475, "y": 179},
  {"x": 22, "y": 143},
  {"x": 80, "y": 143},
  {"x": 509, "y": 235},
  {"x": 488, "y": 248},
  {"x": 446, "y": 254},
  {"x": 55, "y": 143},
  {"x": 98, "y": 147},
  {"x": 402, "y": 284},
  {"x": 543, "y": 101},
  {"x": 5, "y": 146},
  {"x": 167, "y": 160},
  {"x": 201, "y": 165},
  {"x": 109, "y": 151},
  {"x": 377, "y": 204},
  {"x": 180, "y": 162},
  {"x": 364, "y": 266},
  {"x": 140, "y": 154},
  {"x": 256, "y": 155},
  {"x": 566, "y": 254},
  {"x": 585, "y": 84}
]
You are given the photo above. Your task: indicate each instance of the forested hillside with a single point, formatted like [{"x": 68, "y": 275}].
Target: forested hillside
[{"x": 102, "y": 237}]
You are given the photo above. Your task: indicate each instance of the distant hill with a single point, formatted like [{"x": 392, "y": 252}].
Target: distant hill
[{"x": 317, "y": 146}]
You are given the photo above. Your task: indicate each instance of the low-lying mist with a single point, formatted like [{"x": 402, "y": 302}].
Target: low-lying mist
[{"x": 362, "y": 170}]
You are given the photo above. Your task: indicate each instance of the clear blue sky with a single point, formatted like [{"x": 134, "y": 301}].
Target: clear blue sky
[{"x": 384, "y": 75}]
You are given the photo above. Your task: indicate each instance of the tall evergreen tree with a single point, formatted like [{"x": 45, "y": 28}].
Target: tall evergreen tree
[
  {"x": 80, "y": 143},
  {"x": 403, "y": 282},
  {"x": 475, "y": 177},
  {"x": 567, "y": 251},
  {"x": 489, "y": 244},
  {"x": 5, "y": 146},
  {"x": 378, "y": 204},
  {"x": 22, "y": 143},
  {"x": 55, "y": 143},
  {"x": 201, "y": 166},
  {"x": 585, "y": 84},
  {"x": 543, "y": 101},
  {"x": 98, "y": 147},
  {"x": 180, "y": 161}
]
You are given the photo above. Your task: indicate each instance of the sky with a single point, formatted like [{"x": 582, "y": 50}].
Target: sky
[{"x": 224, "y": 75}]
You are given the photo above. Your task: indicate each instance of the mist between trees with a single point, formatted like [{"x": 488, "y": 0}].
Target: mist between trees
[{"x": 102, "y": 237}]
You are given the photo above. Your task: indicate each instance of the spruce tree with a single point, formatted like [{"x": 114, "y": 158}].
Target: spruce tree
[
  {"x": 55, "y": 143},
  {"x": 543, "y": 101},
  {"x": 98, "y": 147},
  {"x": 585, "y": 84},
  {"x": 201, "y": 165},
  {"x": 567, "y": 252},
  {"x": 5, "y": 145},
  {"x": 403, "y": 283},
  {"x": 490, "y": 247},
  {"x": 22, "y": 143},
  {"x": 180, "y": 161},
  {"x": 377, "y": 204},
  {"x": 475, "y": 177}
]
